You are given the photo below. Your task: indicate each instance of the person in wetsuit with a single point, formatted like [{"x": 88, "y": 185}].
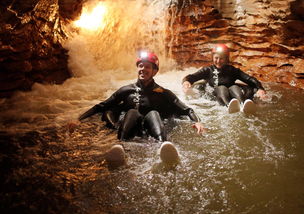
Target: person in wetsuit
[
  {"x": 139, "y": 108},
  {"x": 222, "y": 76}
]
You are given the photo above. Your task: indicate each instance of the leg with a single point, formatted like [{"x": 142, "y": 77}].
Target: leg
[
  {"x": 248, "y": 92},
  {"x": 131, "y": 125},
  {"x": 236, "y": 92},
  {"x": 222, "y": 95},
  {"x": 155, "y": 126},
  {"x": 110, "y": 118},
  {"x": 249, "y": 106}
]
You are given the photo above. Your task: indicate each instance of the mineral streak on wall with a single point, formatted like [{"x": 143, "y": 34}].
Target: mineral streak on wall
[{"x": 266, "y": 37}]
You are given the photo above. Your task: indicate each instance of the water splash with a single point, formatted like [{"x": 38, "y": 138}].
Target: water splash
[
  {"x": 241, "y": 164},
  {"x": 127, "y": 27}
]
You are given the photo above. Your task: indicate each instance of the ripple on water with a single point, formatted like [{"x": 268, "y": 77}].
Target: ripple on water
[{"x": 242, "y": 164}]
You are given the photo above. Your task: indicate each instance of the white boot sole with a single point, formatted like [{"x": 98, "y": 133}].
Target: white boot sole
[
  {"x": 249, "y": 107},
  {"x": 168, "y": 153},
  {"x": 115, "y": 157},
  {"x": 234, "y": 106}
]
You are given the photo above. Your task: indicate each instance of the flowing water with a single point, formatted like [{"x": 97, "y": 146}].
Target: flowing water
[{"x": 243, "y": 164}]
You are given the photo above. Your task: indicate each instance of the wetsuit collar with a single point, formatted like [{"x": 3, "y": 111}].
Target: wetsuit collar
[
  {"x": 141, "y": 85},
  {"x": 220, "y": 69}
]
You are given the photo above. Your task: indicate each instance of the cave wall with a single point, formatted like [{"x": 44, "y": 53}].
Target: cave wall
[
  {"x": 31, "y": 35},
  {"x": 265, "y": 37}
]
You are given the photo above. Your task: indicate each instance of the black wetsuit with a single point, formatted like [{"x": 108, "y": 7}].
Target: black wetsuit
[
  {"x": 223, "y": 82},
  {"x": 142, "y": 109}
]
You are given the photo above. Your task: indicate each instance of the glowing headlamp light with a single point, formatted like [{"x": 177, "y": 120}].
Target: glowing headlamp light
[
  {"x": 143, "y": 54},
  {"x": 219, "y": 49}
]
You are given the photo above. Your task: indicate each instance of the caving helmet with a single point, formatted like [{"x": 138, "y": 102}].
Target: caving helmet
[
  {"x": 221, "y": 49},
  {"x": 148, "y": 57}
]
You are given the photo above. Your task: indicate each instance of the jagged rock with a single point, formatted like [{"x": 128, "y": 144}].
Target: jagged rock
[
  {"x": 297, "y": 9},
  {"x": 69, "y": 9},
  {"x": 30, "y": 47},
  {"x": 262, "y": 36},
  {"x": 31, "y": 37}
]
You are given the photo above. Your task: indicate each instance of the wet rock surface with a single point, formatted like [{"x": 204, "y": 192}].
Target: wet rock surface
[
  {"x": 31, "y": 36},
  {"x": 264, "y": 36}
]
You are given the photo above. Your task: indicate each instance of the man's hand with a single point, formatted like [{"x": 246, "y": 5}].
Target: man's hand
[
  {"x": 199, "y": 127},
  {"x": 186, "y": 86},
  {"x": 262, "y": 94},
  {"x": 73, "y": 125}
]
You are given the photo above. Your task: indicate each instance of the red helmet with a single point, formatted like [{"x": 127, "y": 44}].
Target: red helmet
[
  {"x": 221, "y": 49},
  {"x": 148, "y": 57}
]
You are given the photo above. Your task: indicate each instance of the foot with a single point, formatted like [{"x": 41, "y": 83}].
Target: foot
[
  {"x": 249, "y": 107},
  {"x": 115, "y": 157},
  {"x": 234, "y": 106},
  {"x": 168, "y": 153}
]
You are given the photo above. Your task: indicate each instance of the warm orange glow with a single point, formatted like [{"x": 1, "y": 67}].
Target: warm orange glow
[{"x": 92, "y": 20}]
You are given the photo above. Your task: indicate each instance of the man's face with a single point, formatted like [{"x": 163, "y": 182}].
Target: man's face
[
  {"x": 219, "y": 60},
  {"x": 145, "y": 71}
]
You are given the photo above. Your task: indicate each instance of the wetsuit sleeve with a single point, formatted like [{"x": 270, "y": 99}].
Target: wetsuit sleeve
[
  {"x": 112, "y": 101},
  {"x": 89, "y": 113},
  {"x": 203, "y": 73},
  {"x": 193, "y": 116},
  {"x": 181, "y": 109},
  {"x": 251, "y": 81}
]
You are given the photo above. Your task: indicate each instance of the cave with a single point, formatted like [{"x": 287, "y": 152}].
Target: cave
[
  {"x": 265, "y": 38},
  {"x": 53, "y": 67}
]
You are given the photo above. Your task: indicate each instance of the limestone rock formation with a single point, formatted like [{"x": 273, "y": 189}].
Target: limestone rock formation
[
  {"x": 30, "y": 42},
  {"x": 266, "y": 37}
]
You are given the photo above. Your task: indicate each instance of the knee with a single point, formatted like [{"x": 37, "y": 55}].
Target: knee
[
  {"x": 153, "y": 119},
  {"x": 222, "y": 87},
  {"x": 153, "y": 113},
  {"x": 132, "y": 111},
  {"x": 234, "y": 87},
  {"x": 221, "y": 90}
]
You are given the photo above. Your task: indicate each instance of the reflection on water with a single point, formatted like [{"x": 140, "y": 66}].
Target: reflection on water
[
  {"x": 243, "y": 164},
  {"x": 248, "y": 164}
]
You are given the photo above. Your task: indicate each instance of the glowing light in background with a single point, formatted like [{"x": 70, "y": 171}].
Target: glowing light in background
[
  {"x": 110, "y": 36},
  {"x": 92, "y": 20}
]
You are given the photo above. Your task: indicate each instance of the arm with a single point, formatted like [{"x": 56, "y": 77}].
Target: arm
[
  {"x": 188, "y": 80},
  {"x": 197, "y": 125},
  {"x": 261, "y": 94},
  {"x": 182, "y": 109},
  {"x": 186, "y": 86},
  {"x": 112, "y": 101},
  {"x": 95, "y": 109},
  {"x": 202, "y": 73},
  {"x": 253, "y": 82}
]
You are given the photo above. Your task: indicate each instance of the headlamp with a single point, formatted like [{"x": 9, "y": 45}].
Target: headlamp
[
  {"x": 219, "y": 49},
  {"x": 143, "y": 54}
]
